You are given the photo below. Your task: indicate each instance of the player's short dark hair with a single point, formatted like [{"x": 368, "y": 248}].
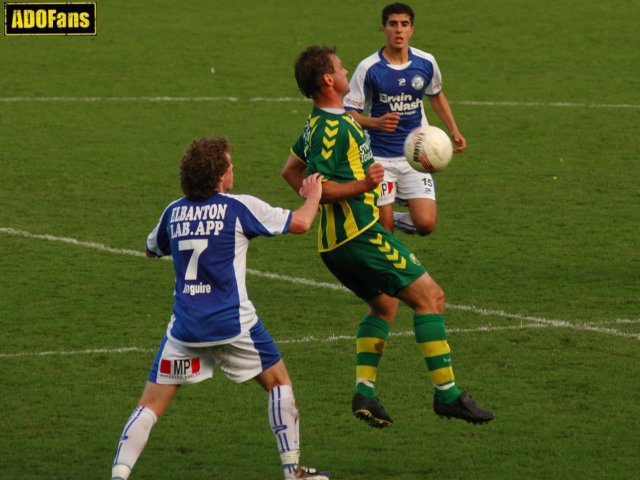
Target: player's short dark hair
[
  {"x": 396, "y": 8},
  {"x": 202, "y": 166},
  {"x": 310, "y": 66}
]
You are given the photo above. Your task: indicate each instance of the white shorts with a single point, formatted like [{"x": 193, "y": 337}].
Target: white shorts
[
  {"x": 403, "y": 181},
  {"x": 243, "y": 359}
]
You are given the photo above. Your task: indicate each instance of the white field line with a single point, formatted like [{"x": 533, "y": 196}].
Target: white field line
[
  {"x": 546, "y": 104},
  {"x": 62, "y": 353},
  {"x": 410, "y": 333},
  {"x": 300, "y": 340},
  {"x": 115, "y": 99},
  {"x": 531, "y": 321},
  {"x": 621, "y": 320},
  {"x": 170, "y": 99},
  {"x": 591, "y": 326}
]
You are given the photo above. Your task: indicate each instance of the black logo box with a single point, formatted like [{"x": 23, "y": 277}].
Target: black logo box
[{"x": 45, "y": 18}]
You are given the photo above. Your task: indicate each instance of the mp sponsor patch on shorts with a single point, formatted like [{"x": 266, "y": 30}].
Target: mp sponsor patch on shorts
[{"x": 179, "y": 369}]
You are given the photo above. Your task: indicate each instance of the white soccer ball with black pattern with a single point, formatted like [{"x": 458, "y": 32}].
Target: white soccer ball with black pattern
[{"x": 428, "y": 149}]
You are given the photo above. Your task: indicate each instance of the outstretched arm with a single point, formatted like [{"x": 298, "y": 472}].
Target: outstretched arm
[
  {"x": 441, "y": 106},
  {"x": 311, "y": 191}
]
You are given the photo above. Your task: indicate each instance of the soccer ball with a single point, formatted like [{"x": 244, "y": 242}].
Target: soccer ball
[{"x": 428, "y": 149}]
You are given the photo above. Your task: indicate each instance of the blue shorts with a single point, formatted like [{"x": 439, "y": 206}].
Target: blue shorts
[{"x": 243, "y": 359}]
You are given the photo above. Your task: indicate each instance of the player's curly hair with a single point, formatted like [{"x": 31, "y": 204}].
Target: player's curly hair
[
  {"x": 202, "y": 166},
  {"x": 310, "y": 66}
]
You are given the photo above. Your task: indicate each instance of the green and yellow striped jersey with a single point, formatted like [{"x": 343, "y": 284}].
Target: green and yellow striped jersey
[{"x": 334, "y": 145}]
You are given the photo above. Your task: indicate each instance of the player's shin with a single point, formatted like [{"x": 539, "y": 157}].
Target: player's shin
[
  {"x": 284, "y": 422},
  {"x": 132, "y": 441},
  {"x": 432, "y": 340},
  {"x": 371, "y": 339}
]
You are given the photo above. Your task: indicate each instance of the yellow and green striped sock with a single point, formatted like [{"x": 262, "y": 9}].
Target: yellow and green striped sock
[
  {"x": 432, "y": 340},
  {"x": 370, "y": 341}
]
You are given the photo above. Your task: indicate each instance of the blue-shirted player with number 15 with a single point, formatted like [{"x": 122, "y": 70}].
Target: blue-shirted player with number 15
[{"x": 386, "y": 98}]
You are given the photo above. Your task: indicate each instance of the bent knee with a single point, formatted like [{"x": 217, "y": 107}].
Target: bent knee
[
  {"x": 425, "y": 228},
  {"x": 425, "y": 224}
]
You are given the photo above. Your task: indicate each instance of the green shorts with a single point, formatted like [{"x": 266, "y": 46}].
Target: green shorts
[{"x": 372, "y": 263}]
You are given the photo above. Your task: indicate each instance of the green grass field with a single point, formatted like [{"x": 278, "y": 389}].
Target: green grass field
[{"x": 536, "y": 248}]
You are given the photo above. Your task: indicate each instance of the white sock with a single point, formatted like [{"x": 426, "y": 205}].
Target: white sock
[
  {"x": 133, "y": 440},
  {"x": 400, "y": 218},
  {"x": 284, "y": 422}
]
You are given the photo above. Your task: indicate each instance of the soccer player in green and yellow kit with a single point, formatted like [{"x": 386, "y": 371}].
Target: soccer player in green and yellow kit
[{"x": 360, "y": 253}]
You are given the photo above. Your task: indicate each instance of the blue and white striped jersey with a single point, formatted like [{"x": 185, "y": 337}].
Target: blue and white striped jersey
[
  {"x": 208, "y": 241},
  {"x": 378, "y": 87}
]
